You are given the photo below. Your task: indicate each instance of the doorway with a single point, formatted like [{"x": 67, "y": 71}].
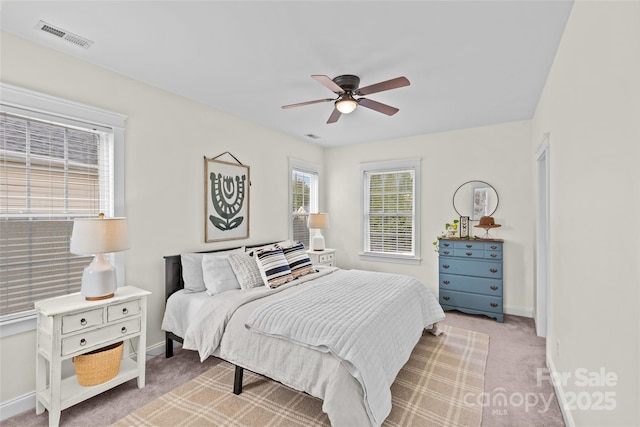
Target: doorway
[{"x": 542, "y": 239}]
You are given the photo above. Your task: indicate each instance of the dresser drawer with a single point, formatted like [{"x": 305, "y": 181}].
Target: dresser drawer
[
  {"x": 493, "y": 254},
  {"x": 126, "y": 309},
  {"x": 470, "y": 267},
  {"x": 83, "y": 320},
  {"x": 493, "y": 246},
  {"x": 471, "y": 301},
  {"x": 468, "y": 244},
  {"x": 468, "y": 253},
  {"x": 96, "y": 337},
  {"x": 445, "y": 244},
  {"x": 478, "y": 285}
]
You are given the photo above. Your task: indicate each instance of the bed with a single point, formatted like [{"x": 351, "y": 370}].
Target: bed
[{"x": 308, "y": 334}]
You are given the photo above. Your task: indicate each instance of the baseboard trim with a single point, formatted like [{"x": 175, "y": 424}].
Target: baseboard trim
[
  {"x": 557, "y": 386},
  {"x": 18, "y": 405},
  {"x": 518, "y": 311}
]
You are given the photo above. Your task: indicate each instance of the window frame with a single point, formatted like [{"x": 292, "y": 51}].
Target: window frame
[
  {"x": 314, "y": 206},
  {"x": 412, "y": 165},
  {"x": 36, "y": 105}
]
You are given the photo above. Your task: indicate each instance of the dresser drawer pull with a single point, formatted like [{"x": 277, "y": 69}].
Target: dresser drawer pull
[
  {"x": 494, "y": 288},
  {"x": 469, "y": 246},
  {"x": 493, "y": 270},
  {"x": 445, "y": 265},
  {"x": 446, "y": 252},
  {"x": 83, "y": 342},
  {"x": 445, "y": 298},
  {"x": 125, "y": 311},
  {"x": 83, "y": 321},
  {"x": 446, "y": 245},
  {"x": 493, "y": 304},
  {"x": 493, "y": 247},
  {"x": 446, "y": 282},
  {"x": 123, "y": 330},
  {"x": 469, "y": 253},
  {"x": 493, "y": 255}
]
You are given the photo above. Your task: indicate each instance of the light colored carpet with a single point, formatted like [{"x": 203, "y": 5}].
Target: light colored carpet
[{"x": 437, "y": 387}]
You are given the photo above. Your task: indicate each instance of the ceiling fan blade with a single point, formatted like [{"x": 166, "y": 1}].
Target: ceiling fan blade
[
  {"x": 300, "y": 104},
  {"x": 334, "y": 116},
  {"x": 378, "y": 106},
  {"x": 328, "y": 83},
  {"x": 382, "y": 86}
]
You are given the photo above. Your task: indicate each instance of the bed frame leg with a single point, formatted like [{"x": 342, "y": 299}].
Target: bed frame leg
[
  {"x": 168, "y": 348},
  {"x": 237, "y": 384}
]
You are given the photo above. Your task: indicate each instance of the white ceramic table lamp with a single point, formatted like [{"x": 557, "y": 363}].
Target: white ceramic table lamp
[
  {"x": 318, "y": 221},
  {"x": 99, "y": 236}
]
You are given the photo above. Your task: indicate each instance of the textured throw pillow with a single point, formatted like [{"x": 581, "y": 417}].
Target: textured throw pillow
[
  {"x": 192, "y": 269},
  {"x": 274, "y": 267},
  {"x": 246, "y": 270},
  {"x": 217, "y": 274},
  {"x": 192, "y": 272},
  {"x": 298, "y": 260}
]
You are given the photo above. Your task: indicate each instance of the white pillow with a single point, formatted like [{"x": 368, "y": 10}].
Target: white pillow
[
  {"x": 217, "y": 274},
  {"x": 192, "y": 269}
]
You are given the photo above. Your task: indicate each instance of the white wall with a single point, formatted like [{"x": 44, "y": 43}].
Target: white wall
[
  {"x": 591, "y": 109},
  {"x": 167, "y": 138},
  {"x": 500, "y": 155}
]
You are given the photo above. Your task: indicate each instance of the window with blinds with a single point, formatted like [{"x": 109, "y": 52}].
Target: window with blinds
[
  {"x": 50, "y": 173},
  {"x": 304, "y": 200},
  {"x": 390, "y": 209}
]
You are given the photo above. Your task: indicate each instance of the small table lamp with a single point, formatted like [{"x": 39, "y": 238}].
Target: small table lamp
[
  {"x": 318, "y": 221},
  {"x": 99, "y": 236}
]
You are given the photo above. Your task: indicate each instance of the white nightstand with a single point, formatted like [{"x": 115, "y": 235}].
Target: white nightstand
[
  {"x": 69, "y": 326},
  {"x": 324, "y": 257}
]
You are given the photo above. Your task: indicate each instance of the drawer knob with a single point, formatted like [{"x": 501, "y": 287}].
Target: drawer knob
[
  {"x": 494, "y": 288},
  {"x": 494, "y": 247},
  {"x": 445, "y": 265},
  {"x": 469, "y": 253},
  {"x": 493, "y": 270},
  {"x": 125, "y": 310},
  {"x": 445, "y": 298},
  {"x": 446, "y": 245},
  {"x": 493, "y": 255},
  {"x": 446, "y": 252},
  {"x": 123, "y": 330},
  {"x": 446, "y": 282},
  {"x": 469, "y": 246},
  {"x": 493, "y": 304},
  {"x": 83, "y": 342},
  {"x": 83, "y": 321}
]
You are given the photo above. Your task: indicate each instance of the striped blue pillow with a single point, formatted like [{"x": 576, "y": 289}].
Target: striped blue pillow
[
  {"x": 298, "y": 260},
  {"x": 274, "y": 267}
]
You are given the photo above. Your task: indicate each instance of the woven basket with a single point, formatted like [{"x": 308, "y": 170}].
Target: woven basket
[{"x": 98, "y": 366}]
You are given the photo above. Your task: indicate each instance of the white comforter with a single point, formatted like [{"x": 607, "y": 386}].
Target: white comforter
[
  {"x": 370, "y": 321},
  {"x": 218, "y": 328}
]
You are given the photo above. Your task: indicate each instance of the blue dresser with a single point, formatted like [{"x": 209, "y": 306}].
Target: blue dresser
[{"x": 471, "y": 276}]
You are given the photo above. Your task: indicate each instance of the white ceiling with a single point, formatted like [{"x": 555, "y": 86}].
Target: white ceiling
[{"x": 470, "y": 63}]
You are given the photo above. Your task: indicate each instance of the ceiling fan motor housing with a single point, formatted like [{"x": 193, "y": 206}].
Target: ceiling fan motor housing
[{"x": 348, "y": 82}]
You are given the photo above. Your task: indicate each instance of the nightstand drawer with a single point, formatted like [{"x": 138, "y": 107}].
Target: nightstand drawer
[
  {"x": 478, "y": 285},
  {"x": 471, "y": 301},
  {"x": 126, "y": 309},
  {"x": 92, "y": 338},
  {"x": 78, "y": 321}
]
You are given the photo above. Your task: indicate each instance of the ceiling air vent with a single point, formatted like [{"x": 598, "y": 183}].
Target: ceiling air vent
[{"x": 64, "y": 35}]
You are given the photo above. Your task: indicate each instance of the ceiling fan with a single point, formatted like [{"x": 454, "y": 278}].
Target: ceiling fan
[{"x": 347, "y": 87}]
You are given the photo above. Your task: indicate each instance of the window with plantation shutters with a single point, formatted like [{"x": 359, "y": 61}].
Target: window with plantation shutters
[
  {"x": 391, "y": 209},
  {"x": 303, "y": 196},
  {"x": 50, "y": 173}
]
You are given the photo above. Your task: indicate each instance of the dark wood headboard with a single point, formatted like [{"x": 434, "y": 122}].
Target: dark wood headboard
[{"x": 173, "y": 269}]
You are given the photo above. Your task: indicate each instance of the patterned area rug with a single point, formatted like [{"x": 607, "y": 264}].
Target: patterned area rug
[{"x": 439, "y": 386}]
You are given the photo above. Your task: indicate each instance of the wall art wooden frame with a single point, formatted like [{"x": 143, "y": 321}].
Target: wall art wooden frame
[{"x": 226, "y": 200}]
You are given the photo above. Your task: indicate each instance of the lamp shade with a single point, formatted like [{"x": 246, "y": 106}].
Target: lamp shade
[
  {"x": 318, "y": 221},
  {"x": 346, "y": 104},
  {"x": 98, "y": 236}
]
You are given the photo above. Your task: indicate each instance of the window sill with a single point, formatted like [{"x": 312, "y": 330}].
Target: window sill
[
  {"x": 399, "y": 259},
  {"x": 9, "y": 327}
]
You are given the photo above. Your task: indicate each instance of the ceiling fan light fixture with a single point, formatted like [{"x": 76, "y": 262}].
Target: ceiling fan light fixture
[{"x": 346, "y": 104}]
